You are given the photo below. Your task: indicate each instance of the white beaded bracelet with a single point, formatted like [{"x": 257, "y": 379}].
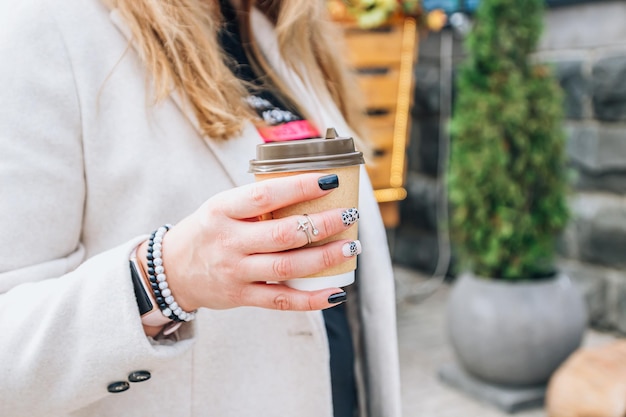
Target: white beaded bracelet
[{"x": 158, "y": 281}]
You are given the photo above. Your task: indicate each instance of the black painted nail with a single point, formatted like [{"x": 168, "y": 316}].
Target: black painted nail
[
  {"x": 328, "y": 182},
  {"x": 337, "y": 298}
]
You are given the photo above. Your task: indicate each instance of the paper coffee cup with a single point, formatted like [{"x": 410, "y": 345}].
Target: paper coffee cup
[{"x": 329, "y": 155}]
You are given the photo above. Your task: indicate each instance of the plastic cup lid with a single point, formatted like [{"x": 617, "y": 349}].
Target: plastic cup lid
[{"x": 329, "y": 152}]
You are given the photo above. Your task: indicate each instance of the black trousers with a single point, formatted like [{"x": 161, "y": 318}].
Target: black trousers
[{"x": 341, "y": 361}]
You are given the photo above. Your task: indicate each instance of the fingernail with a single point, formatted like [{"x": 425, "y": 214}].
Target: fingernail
[
  {"x": 351, "y": 248},
  {"x": 328, "y": 182},
  {"x": 350, "y": 216},
  {"x": 338, "y": 298}
]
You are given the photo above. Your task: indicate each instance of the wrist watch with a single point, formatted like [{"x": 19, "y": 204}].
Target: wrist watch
[{"x": 148, "y": 308}]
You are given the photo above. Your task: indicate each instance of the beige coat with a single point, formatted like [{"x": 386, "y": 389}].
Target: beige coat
[{"x": 87, "y": 167}]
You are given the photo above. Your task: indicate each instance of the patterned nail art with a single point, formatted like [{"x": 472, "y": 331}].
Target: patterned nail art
[
  {"x": 351, "y": 249},
  {"x": 350, "y": 216}
]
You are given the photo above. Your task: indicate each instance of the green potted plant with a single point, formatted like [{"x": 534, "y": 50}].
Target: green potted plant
[{"x": 512, "y": 317}]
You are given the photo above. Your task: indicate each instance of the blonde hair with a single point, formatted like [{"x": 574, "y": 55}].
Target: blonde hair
[{"x": 178, "y": 41}]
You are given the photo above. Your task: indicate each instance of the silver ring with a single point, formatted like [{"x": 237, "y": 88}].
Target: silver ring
[
  {"x": 304, "y": 226},
  {"x": 313, "y": 228}
]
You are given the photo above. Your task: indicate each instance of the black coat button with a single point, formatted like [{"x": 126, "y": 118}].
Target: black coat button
[
  {"x": 139, "y": 376},
  {"x": 119, "y": 386}
]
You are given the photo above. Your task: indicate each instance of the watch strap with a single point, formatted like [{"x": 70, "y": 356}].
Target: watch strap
[
  {"x": 143, "y": 300},
  {"x": 148, "y": 309}
]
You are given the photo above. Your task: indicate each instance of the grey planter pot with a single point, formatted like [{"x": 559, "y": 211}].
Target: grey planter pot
[{"x": 514, "y": 334}]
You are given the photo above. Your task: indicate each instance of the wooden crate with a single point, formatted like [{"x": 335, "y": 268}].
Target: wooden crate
[
  {"x": 383, "y": 59},
  {"x": 385, "y": 41}
]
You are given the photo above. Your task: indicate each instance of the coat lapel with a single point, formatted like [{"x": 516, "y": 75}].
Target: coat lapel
[{"x": 228, "y": 152}]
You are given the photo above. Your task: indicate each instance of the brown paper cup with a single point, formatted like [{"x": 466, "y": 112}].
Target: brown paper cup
[
  {"x": 341, "y": 160},
  {"x": 345, "y": 196}
]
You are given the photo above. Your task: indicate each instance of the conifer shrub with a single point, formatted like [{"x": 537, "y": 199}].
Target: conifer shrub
[{"x": 507, "y": 175}]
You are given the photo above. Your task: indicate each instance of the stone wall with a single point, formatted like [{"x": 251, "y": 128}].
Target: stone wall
[{"x": 586, "y": 43}]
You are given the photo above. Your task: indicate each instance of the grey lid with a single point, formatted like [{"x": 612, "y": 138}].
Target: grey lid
[{"x": 306, "y": 154}]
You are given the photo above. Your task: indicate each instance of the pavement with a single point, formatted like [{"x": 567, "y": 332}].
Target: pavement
[{"x": 423, "y": 347}]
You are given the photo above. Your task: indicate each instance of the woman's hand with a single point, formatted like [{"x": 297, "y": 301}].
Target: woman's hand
[{"x": 221, "y": 256}]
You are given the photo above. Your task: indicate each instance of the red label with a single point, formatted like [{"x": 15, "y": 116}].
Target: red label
[{"x": 298, "y": 129}]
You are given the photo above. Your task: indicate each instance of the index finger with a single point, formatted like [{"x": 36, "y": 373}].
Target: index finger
[{"x": 268, "y": 195}]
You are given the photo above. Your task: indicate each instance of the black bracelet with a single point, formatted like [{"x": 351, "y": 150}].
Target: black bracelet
[{"x": 158, "y": 281}]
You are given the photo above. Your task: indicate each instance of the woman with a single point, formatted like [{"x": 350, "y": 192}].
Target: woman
[{"x": 118, "y": 118}]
